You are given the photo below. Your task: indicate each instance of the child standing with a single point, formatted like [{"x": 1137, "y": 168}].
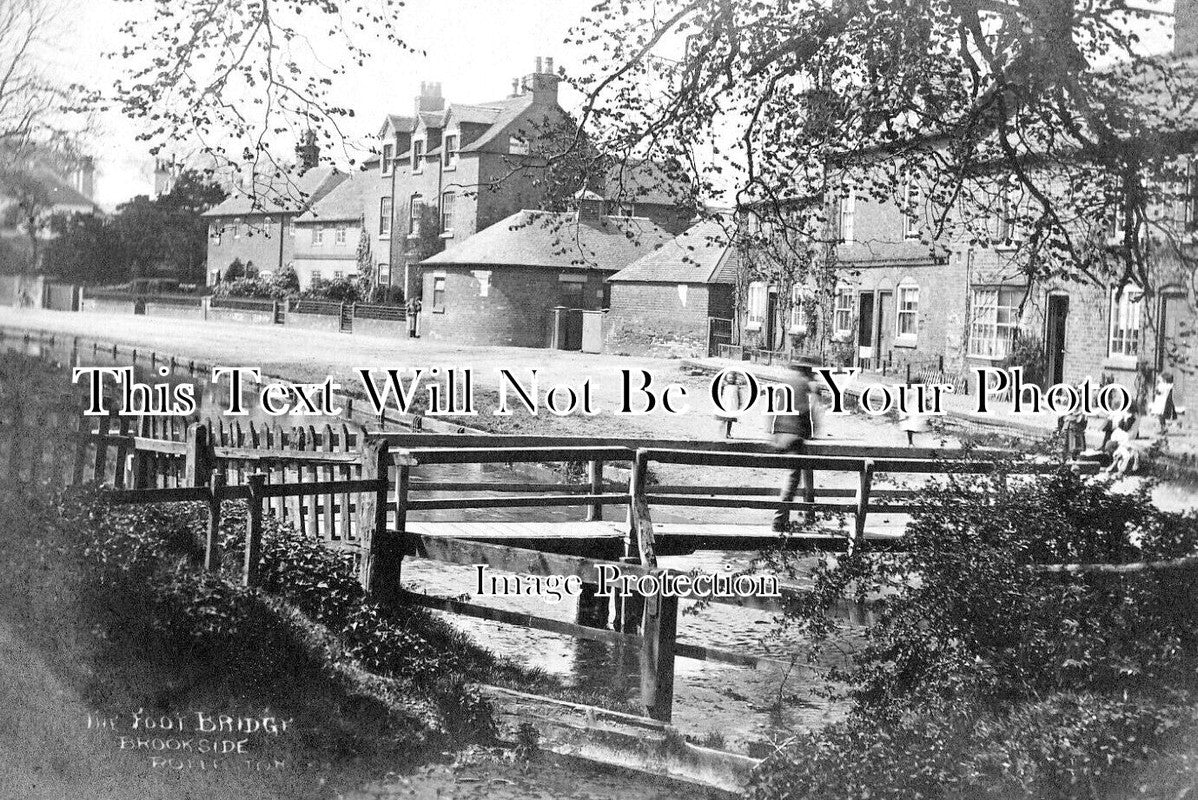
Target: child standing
[
  {"x": 730, "y": 399},
  {"x": 1162, "y": 402},
  {"x": 914, "y": 420}
]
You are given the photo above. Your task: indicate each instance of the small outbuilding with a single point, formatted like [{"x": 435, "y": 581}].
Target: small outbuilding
[
  {"x": 532, "y": 279},
  {"x": 661, "y": 303}
]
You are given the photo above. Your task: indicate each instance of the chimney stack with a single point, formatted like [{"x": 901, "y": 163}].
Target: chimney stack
[
  {"x": 430, "y": 98},
  {"x": 543, "y": 85},
  {"x": 307, "y": 152},
  {"x": 1185, "y": 27}
]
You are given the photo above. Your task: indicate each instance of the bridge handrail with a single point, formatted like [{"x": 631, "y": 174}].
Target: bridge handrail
[{"x": 506, "y": 455}]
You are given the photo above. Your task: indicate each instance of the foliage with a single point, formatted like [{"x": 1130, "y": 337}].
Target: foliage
[
  {"x": 167, "y": 233},
  {"x": 235, "y": 271},
  {"x": 279, "y": 286},
  {"x": 86, "y": 249},
  {"x": 1027, "y": 353},
  {"x": 980, "y": 674},
  {"x": 338, "y": 290}
]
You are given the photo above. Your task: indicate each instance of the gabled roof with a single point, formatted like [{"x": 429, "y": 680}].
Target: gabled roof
[
  {"x": 510, "y": 111},
  {"x": 291, "y": 193},
  {"x": 398, "y": 122},
  {"x": 556, "y": 240},
  {"x": 701, "y": 254},
  {"x": 345, "y": 203}
]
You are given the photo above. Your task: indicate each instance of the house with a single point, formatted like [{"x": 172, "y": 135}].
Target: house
[
  {"x": 447, "y": 171},
  {"x": 257, "y": 229},
  {"x": 328, "y": 234},
  {"x": 961, "y": 304},
  {"x": 502, "y": 285},
  {"x": 661, "y": 303},
  {"x": 54, "y": 189}
]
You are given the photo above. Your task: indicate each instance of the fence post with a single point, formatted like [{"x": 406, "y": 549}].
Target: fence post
[
  {"x": 372, "y": 518},
  {"x": 864, "y": 481},
  {"x": 638, "y": 508},
  {"x": 595, "y": 475},
  {"x": 198, "y": 460},
  {"x": 212, "y": 542},
  {"x": 908, "y": 373},
  {"x": 253, "y": 530}
]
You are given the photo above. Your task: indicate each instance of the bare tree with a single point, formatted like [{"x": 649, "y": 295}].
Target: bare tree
[
  {"x": 29, "y": 100},
  {"x": 239, "y": 78}
]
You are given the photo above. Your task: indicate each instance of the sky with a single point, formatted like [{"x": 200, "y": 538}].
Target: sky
[{"x": 474, "y": 48}]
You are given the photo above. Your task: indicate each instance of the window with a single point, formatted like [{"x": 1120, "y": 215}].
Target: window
[
  {"x": 237, "y": 227},
  {"x": 798, "y": 309},
  {"x": 316, "y": 279},
  {"x": 995, "y": 318},
  {"x": 214, "y": 232},
  {"x": 1006, "y": 229},
  {"x": 758, "y": 301},
  {"x": 415, "y": 206},
  {"x": 910, "y": 201},
  {"x": 387, "y": 158},
  {"x": 338, "y": 274},
  {"x": 842, "y": 313},
  {"x": 517, "y": 145},
  {"x": 417, "y": 156},
  {"x": 844, "y": 216},
  {"x": 439, "y": 291},
  {"x": 380, "y": 273},
  {"x": 340, "y": 236},
  {"x": 450, "y": 149},
  {"x": 447, "y": 212},
  {"x": 1125, "y": 322},
  {"x": 318, "y": 236},
  {"x": 621, "y": 209},
  {"x": 290, "y": 225},
  {"x": 384, "y": 216},
  {"x": 908, "y": 312}
]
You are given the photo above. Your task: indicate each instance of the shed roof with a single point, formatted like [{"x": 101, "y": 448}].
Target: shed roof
[
  {"x": 556, "y": 240},
  {"x": 701, "y": 254},
  {"x": 347, "y": 201}
]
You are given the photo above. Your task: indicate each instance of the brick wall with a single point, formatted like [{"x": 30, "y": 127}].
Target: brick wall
[
  {"x": 258, "y": 242},
  {"x": 517, "y": 310},
  {"x": 658, "y": 319}
]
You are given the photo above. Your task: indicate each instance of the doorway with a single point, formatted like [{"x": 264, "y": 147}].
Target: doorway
[
  {"x": 1174, "y": 353},
  {"x": 771, "y": 319},
  {"x": 865, "y": 330},
  {"x": 1054, "y": 338},
  {"x": 885, "y": 336}
]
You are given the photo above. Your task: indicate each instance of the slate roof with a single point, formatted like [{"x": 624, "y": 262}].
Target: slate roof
[
  {"x": 346, "y": 202},
  {"x": 556, "y": 240},
  {"x": 645, "y": 182},
  {"x": 509, "y": 111},
  {"x": 701, "y": 254},
  {"x": 293, "y": 193},
  {"x": 399, "y": 122}
]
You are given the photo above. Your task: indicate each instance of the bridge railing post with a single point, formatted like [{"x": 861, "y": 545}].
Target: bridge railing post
[
  {"x": 216, "y": 482},
  {"x": 659, "y": 622},
  {"x": 864, "y": 483},
  {"x": 595, "y": 476},
  {"x": 372, "y": 519}
]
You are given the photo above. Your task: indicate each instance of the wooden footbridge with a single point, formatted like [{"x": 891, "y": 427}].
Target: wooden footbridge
[{"x": 375, "y": 494}]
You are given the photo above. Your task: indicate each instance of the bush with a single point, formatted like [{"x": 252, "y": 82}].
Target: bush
[
  {"x": 980, "y": 674},
  {"x": 338, "y": 290}
]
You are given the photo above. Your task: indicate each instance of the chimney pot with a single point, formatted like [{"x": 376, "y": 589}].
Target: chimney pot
[
  {"x": 549, "y": 65},
  {"x": 538, "y": 69}
]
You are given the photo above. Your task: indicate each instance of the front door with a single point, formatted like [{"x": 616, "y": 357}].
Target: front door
[
  {"x": 1054, "y": 339},
  {"x": 865, "y": 330},
  {"x": 885, "y": 335},
  {"x": 1177, "y": 351},
  {"x": 771, "y": 322}
]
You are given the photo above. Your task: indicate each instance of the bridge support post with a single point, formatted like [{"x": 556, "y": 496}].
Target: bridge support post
[
  {"x": 372, "y": 519},
  {"x": 659, "y": 630},
  {"x": 595, "y": 475}
]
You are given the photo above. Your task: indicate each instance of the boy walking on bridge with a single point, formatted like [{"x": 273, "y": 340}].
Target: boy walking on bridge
[{"x": 788, "y": 432}]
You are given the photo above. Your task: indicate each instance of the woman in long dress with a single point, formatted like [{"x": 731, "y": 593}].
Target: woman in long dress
[{"x": 1162, "y": 402}]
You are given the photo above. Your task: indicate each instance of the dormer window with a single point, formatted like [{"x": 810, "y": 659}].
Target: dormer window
[
  {"x": 517, "y": 145},
  {"x": 387, "y": 158},
  {"x": 450, "y": 152},
  {"x": 417, "y": 156}
]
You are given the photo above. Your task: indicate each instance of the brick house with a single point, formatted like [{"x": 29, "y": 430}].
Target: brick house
[
  {"x": 327, "y": 235},
  {"x": 259, "y": 230},
  {"x": 447, "y": 171},
  {"x": 501, "y": 285},
  {"x": 660, "y": 303}
]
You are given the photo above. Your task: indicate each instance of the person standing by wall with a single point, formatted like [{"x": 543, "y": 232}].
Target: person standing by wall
[
  {"x": 787, "y": 433},
  {"x": 413, "y": 309},
  {"x": 1162, "y": 406}
]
